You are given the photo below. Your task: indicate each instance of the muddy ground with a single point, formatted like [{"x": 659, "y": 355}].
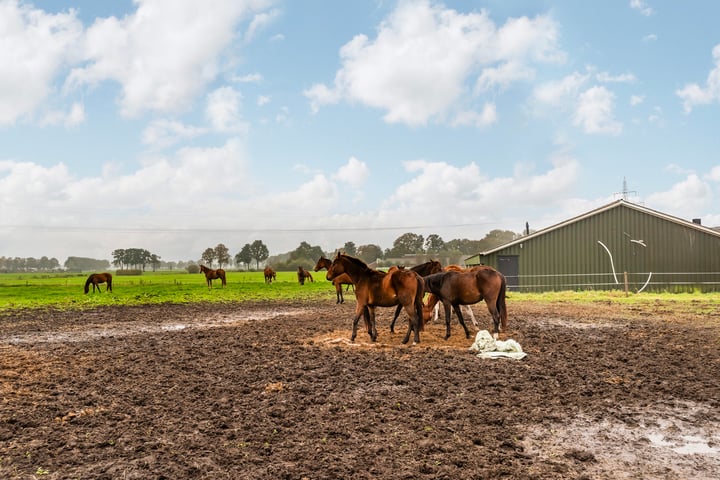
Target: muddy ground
[{"x": 275, "y": 390}]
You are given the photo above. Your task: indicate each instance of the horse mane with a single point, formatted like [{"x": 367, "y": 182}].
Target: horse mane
[{"x": 356, "y": 261}]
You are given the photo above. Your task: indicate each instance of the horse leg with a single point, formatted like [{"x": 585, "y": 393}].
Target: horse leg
[
  {"x": 458, "y": 312},
  {"x": 338, "y": 293},
  {"x": 372, "y": 325},
  {"x": 468, "y": 308},
  {"x": 358, "y": 314},
  {"x": 397, "y": 314},
  {"x": 436, "y": 312},
  {"x": 448, "y": 313},
  {"x": 413, "y": 325},
  {"x": 495, "y": 316}
]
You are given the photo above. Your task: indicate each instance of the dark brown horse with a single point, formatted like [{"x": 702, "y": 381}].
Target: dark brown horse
[
  {"x": 467, "y": 288},
  {"x": 424, "y": 269},
  {"x": 468, "y": 308},
  {"x": 338, "y": 282},
  {"x": 211, "y": 275},
  {"x": 302, "y": 275},
  {"x": 270, "y": 275},
  {"x": 380, "y": 289},
  {"x": 96, "y": 279}
]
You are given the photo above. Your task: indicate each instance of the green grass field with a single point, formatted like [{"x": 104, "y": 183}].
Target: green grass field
[{"x": 66, "y": 291}]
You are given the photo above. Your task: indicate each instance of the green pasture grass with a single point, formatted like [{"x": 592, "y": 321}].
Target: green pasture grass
[
  {"x": 66, "y": 290},
  {"x": 63, "y": 291}
]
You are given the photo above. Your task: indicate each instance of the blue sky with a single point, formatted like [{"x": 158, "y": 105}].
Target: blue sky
[{"x": 177, "y": 125}]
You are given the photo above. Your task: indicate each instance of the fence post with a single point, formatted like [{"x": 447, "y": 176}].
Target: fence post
[{"x": 626, "y": 283}]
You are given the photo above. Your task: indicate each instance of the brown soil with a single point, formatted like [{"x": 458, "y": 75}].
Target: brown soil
[{"x": 275, "y": 390}]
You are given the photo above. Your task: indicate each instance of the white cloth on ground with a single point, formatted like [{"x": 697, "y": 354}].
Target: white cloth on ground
[{"x": 488, "y": 347}]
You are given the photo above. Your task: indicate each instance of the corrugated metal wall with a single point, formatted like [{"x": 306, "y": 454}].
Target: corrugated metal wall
[{"x": 571, "y": 257}]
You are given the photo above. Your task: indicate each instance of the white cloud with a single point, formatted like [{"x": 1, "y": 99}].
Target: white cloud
[
  {"x": 642, "y": 7},
  {"x": 35, "y": 47},
  {"x": 559, "y": 93},
  {"x": 163, "y": 133},
  {"x": 261, "y": 21},
  {"x": 651, "y": 37},
  {"x": 223, "y": 110},
  {"x": 354, "y": 173},
  {"x": 418, "y": 66},
  {"x": 450, "y": 194},
  {"x": 636, "y": 99},
  {"x": 74, "y": 117},
  {"x": 714, "y": 174},
  {"x": 263, "y": 100},
  {"x": 686, "y": 199},
  {"x": 595, "y": 112},
  {"x": 605, "y": 77},
  {"x": 158, "y": 69},
  {"x": 482, "y": 119},
  {"x": 249, "y": 78},
  {"x": 693, "y": 94}
]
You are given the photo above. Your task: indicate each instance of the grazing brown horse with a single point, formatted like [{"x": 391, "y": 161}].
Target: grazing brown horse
[
  {"x": 270, "y": 275},
  {"x": 302, "y": 275},
  {"x": 379, "y": 289},
  {"x": 466, "y": 288},
  {"x": 96, "y": 279},
  {"x": 338, "y": 281},
  {"x": 424, "y": 269},
  {"x": 211, "y": 275}
]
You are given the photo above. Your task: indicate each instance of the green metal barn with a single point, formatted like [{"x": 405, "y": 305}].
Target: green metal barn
[{"x": 617, "y": 246}]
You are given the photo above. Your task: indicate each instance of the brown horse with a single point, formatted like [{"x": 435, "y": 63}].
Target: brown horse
[
  {"x": 467, "y": 288},
  {"x": 379, "y": 289},
  {"x": 338, "y": 282},
  {"x": 468, "y": 308},
  {"x": 211, "y": 275},
  {"x": 424, "y": 269},
  {"x": 270, "y": 275},
  {"x": 302, "y": 275},
  {"x": 96, "y": 279}
]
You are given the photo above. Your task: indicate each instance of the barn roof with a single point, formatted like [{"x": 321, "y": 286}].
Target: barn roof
[{"x": 604, "y": 208}]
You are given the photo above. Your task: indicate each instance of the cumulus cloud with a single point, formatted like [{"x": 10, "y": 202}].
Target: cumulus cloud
[
  {"x": 157, "y": 69},
  {"x": 686, "y": 199},
  {"x": 418, "y": 66},
  {"x": 35, "y": 47},
  {"x": 354, "y": 173},
  {"x": 223, "y": 110},
  {"x": 592, "y": 107},
  {"x": 693, "y": 94},
  {"x": 74, "y": 117},
  {"x": 595, "y": 112}
]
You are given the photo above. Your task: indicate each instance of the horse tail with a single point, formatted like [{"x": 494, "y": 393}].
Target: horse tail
[
  {"x": 500, "y": 303},
  {"x": 419, "y": 302},
  {"x": 87, "y": 283}
]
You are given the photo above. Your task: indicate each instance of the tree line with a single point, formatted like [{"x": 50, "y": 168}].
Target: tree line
[{"x": 257, "y": 254}]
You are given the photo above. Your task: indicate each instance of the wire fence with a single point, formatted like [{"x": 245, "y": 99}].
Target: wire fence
[{"x": 673, "y": 282}]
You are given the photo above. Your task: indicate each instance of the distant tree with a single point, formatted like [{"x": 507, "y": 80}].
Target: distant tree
[
  {"x": 495, "y": 238},
  {"x": 208, "y": 256},
  {"x": 306, "y": 252},
  {"x": 154, "y": 261},
  {"x": 222, "y": 254},
  {"x": 85, "y": 264},
  {"x": 350, "y": 249},
  {"x": 118, "y": 258},
  {"x": 259, "y": 252},
  {"x": 434, "y": 243},
  {"x": 369, "y": 253},
  {"x": 407, "y": 243},
  {"x": 244, "y": 256}
]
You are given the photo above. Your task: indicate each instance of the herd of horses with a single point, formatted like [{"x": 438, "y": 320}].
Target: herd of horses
[{"x": 399, "y": 287}]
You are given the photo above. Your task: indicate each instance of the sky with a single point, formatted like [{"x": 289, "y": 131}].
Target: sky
[{"x": 177, "y": 125}]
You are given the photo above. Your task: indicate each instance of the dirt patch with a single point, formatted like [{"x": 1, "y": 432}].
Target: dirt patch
[{"x": 276, "y": 390}]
